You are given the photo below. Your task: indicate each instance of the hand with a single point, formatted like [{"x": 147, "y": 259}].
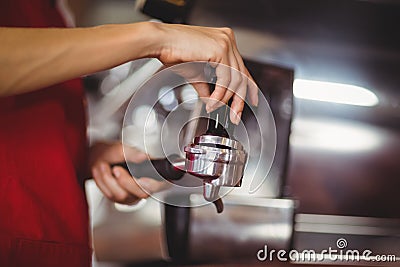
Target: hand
[
  {"x": 181, "y": 43},
  {"x": 116, "y": 183}
]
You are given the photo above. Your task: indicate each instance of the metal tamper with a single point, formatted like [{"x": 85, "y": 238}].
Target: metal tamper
[{"x": 215, "y": 156}]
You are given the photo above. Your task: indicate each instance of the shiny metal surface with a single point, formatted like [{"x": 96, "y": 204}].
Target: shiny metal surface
[
  {"x": 218, "y": 166},
  {"x": 245, "y": 226},
  {"x": 326, "y": 48},
  {"x": 320, "y": 232},
  {"x": 218, "y": 140},
  {"x": 215, "y": 154},
  {"x": 179, "y": 163}
]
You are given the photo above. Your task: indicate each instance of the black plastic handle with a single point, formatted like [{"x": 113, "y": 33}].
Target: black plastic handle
[
  {"x": 158, "y": 169},
  {"x": 219, "y": 123}
]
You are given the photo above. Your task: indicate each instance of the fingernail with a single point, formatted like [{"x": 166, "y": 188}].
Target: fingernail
[
  {"x": 255, "y": 102},
  {"x": 208, "y": 108},
  {"x": 237, "y": 118},
  {"x": 116, "y": 172}
]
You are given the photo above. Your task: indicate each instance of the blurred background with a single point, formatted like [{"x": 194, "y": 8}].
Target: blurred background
[{"x": 330, "y": 71}]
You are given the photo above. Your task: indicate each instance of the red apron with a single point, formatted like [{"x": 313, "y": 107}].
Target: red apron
[{"x": 43, "y": 151}]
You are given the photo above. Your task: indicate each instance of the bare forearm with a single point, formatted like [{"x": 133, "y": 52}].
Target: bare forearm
[
  {"x": 35, "y": 58},
  {"x": 31, "y": 59}
]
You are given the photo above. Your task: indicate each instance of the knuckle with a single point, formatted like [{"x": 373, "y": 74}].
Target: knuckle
[
  {"x": 222, "y": 81},
  {"x": 236, "y": 79},
  {"x": 230, "y": 34},
  {"x": 229, "y": 92},
  {"x": 211, "y": 56},
  {"x": 240, "y": 97},
  {"x": 227, "y": 30},
  {"x": 239, "y": 103},
  {"x": 226, "y": 98},
  {"x": 223, "y": 48}
]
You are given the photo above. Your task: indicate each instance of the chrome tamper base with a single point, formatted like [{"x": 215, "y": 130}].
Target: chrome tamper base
[{"x": 219, "y": 161}]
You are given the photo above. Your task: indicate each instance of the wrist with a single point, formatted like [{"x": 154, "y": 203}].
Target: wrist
[{"x": 152, "y": 40}]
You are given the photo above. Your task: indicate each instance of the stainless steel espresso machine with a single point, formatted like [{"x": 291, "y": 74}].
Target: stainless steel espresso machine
[
  {"x": 249, "y": 220},
  {"x": 203, "y": 158},
  {"x": 341, "y": 194}
]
